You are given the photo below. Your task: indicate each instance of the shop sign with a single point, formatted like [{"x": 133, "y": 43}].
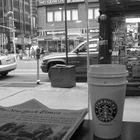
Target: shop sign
[
  {"x": 22, "y": 41},
  {"x": 44, "y": 33},
  {"x": 51, "y": 2}
]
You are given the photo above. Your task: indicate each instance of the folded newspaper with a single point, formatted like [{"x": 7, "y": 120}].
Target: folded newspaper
[{"x": 32, "y": 120}]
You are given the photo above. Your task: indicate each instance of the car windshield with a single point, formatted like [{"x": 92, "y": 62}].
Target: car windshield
[{"x": 93, "y": 47}]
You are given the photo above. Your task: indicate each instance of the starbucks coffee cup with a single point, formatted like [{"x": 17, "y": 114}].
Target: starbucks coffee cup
[{"x": 107, "y": 89}]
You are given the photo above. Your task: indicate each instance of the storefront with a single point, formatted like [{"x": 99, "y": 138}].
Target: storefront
[
  {"x": 55, "y": 41},
  {"x": 51, "y": 23},
  {"x": 120, "y": 35}
]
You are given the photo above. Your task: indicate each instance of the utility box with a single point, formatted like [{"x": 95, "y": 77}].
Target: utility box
[{"x": 63, "y": 76}]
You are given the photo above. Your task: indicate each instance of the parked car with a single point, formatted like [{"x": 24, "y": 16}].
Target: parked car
[
  {"x": 7, "y": 63},
  {"x": 77, "y": 57}
]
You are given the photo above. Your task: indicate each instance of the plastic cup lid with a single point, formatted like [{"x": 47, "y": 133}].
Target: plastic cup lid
[{"x": 107, "y": 69}]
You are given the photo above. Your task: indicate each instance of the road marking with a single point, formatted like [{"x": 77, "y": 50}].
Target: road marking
[{"x": 27, "y": 71}]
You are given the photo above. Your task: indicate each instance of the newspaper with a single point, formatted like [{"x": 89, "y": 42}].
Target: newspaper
[{"x": 34, "y": 121}]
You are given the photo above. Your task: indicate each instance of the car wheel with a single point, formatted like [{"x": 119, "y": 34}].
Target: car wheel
[{"x": 4, "y": 73}]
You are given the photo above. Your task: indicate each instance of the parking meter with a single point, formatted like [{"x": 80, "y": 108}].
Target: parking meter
[
  {"x": 38, "y": 53},
  {"x": 37, "y": 58}
]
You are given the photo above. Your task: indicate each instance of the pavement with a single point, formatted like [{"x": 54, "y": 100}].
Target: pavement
[{"x": 63, "y": 98}]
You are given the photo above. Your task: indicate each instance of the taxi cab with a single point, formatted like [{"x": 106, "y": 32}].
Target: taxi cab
[{"x": 7, "y": 63}]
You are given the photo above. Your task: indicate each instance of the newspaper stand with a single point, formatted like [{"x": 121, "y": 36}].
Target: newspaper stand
[{"x": 63, "y": 76}]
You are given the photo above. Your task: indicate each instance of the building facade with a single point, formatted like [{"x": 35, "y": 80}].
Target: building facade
[
  {"x": 17, "y": 23},
  {"x": 51, "y": 23},
  {"x": 33, "y": 14}
]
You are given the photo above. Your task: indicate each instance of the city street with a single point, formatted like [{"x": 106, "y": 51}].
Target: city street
[
  {"x": 26, "y": 75},
  {"x": 26, "y": 72}
]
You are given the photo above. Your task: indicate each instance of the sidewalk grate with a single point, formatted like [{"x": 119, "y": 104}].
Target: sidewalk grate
[{"x": 18, "y": 85}]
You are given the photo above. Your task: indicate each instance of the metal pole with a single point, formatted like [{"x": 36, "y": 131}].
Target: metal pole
[
  {"x": 14, "y": 39},
  {"x": 37, "y": 58},
  {"x": 88, "y": 64},
  {"x": 66, "y": 39},
  {"x": 3, "y": 30},
  {"x": 38, "y": 78}
]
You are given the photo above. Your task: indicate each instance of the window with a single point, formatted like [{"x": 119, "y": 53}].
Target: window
[
  {"x": 1, "y": 13},
  {"x": 90, "y": 13},
  {"x": 68, "y": 15},
  {"x": 27, "y": 8},
  {"x": 49, "y": 16},
  {"x": 15, "y": 4},
  {"x": 74, "y": 14},
  {"x": 57, "y": 16},
  {"x": 96, "y": 13},
  {"x": 26, "y": 17},
  {"x": 93, "y": 47},
  {"x": 16, "y": 14}
]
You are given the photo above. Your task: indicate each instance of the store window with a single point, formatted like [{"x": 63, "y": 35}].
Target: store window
[
  {"x": 57, "y": 16},
  {"x": 50, "y": 16},
  {"x": 90, "y": 13},
  {"x": 74, "y": 14},
  {"x": 125, "y": 44}
]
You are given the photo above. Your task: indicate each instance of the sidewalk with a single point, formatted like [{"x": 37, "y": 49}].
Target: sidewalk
[
  {"x": 63, "y": 98},
  {"x": 68, "y": 98}
]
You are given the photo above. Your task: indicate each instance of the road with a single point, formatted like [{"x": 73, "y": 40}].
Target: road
[{"x": 26, "y": 72}]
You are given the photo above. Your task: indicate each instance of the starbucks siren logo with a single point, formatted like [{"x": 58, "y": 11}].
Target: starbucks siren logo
[{"x": 105, "y": 110}]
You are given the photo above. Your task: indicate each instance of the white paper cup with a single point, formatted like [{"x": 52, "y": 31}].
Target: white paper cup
[{"x": 107, "y": 88}]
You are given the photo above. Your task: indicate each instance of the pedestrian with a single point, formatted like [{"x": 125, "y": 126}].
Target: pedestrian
[
  {"x": 42, "y": 52},
  {"x": 32, "y": 52}
]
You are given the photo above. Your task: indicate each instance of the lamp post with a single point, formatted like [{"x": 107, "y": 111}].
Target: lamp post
[
  {"x": 13, "y": 37},
  {"x": 10, "y": 15}
]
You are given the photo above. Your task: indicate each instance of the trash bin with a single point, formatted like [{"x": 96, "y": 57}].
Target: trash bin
[{"x": 63, "y": 76}]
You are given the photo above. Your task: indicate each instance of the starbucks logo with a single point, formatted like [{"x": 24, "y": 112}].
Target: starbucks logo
[{"x": 105, "y": 110}]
